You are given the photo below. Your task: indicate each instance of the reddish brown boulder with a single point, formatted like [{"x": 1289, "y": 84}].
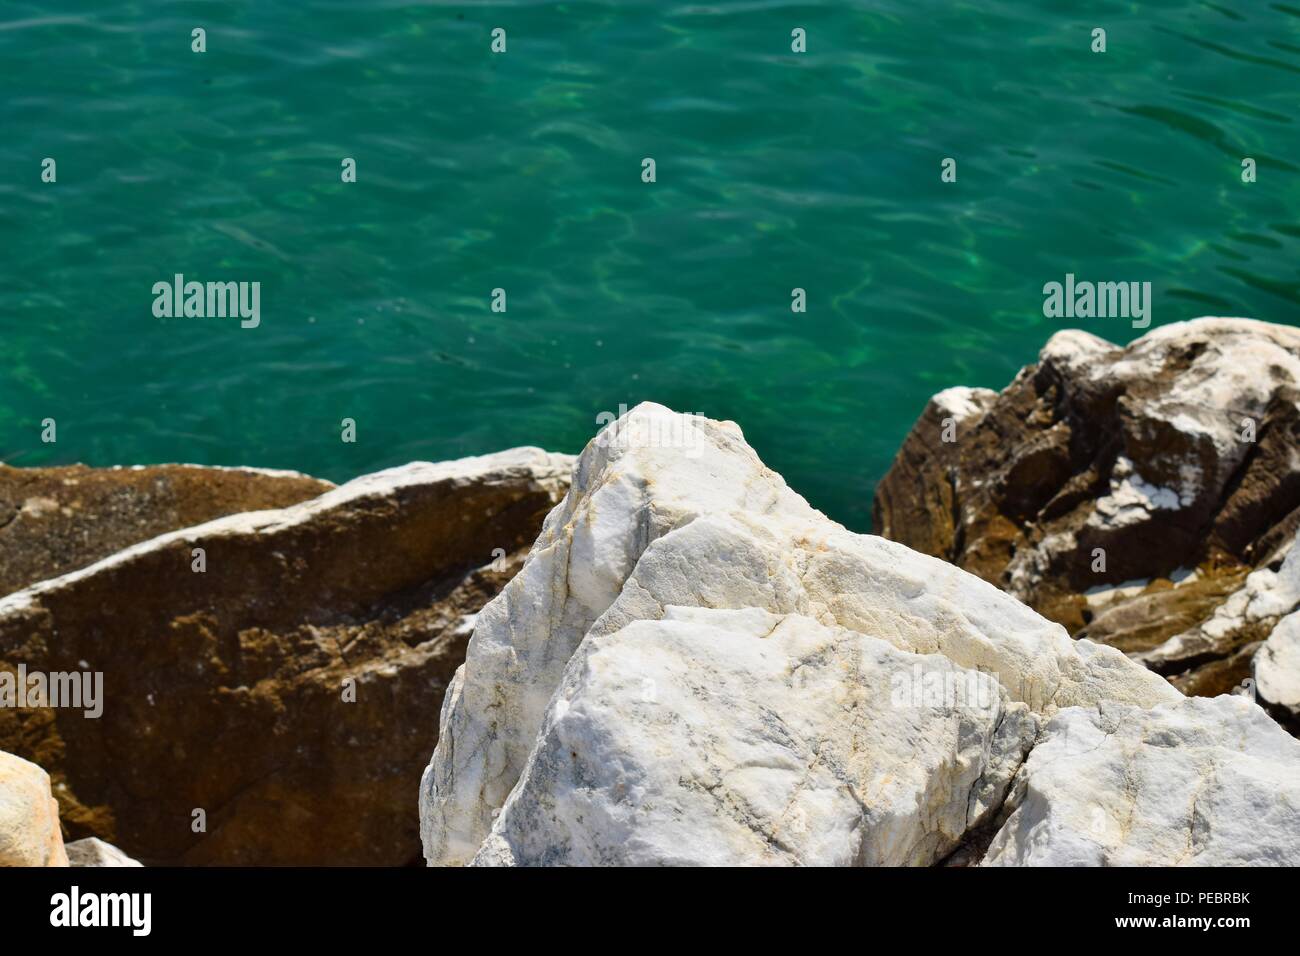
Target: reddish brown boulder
[
  {"x": 283, "y": 695},
  {"x": 55, "y": 520}
]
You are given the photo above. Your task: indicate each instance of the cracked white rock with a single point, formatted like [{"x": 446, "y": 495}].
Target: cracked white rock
[
  {"x": 1204, "y": 782},
  {"x": 829, "y": 753},
  {"x": 647, "y": 526}
]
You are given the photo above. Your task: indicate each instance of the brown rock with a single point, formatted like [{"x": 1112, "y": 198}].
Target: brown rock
[
  {"x": 1224, "y": 675},
  {"x": 224, "y": 691},
  {"x": 55, "y": 520},
  {"x": 1143, "y": 455},
  {"x": 1138, "y": 623}
]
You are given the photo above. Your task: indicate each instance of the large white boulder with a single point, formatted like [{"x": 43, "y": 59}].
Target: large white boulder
[
  {"x": 667, "y": 511},
  {"x": 1204, "y": 782}
]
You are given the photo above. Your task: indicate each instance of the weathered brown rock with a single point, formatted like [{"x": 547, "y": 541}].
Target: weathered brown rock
[
  {"x": 224, "y": 690},
  {"x": 1176, "y": 460},
  {"x": 55, "y": 520},
  {"x": 29, "y": 816}
]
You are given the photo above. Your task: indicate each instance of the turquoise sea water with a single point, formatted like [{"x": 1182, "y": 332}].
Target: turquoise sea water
[{"x": 522, "y": 171}]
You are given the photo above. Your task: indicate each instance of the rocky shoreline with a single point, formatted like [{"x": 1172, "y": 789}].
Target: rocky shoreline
[{"x": 1074, "y": 641}]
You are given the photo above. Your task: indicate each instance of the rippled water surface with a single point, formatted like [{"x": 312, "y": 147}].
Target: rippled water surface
[{"x": 522, "y": 171}]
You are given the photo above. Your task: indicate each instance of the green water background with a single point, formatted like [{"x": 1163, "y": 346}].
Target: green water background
[{"x": 522, "y": 171}]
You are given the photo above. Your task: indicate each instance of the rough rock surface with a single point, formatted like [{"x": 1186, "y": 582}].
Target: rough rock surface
[
  {"x": 1244, "y": 623},
  {"x": 56, "y": 520},
  {"x": 1199, "y": 782},
  {"x": 818, "y": 761},
  {"x": 1139, "y": 452},
  {"x": 1277, "y": 671},
  {"x": 224, "y": 690},
  {"x": 29, "y": 816},
  {"x": 690, "y": 565},
  {"x": 93, "y": 851}
]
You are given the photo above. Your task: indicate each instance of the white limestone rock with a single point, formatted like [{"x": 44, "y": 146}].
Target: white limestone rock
[
  {"x": 1204, "y": 782},
  {"x": 723, "y": 738},
  {"x": 93, "y": 851},
  {"x": 29, "y": 816},
  {"x": 698, "y": 521},
  {"x": 963, "y": 403},
  {"x": 1277, "y": 666},
  {"x": 1076, "y": 351}
]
